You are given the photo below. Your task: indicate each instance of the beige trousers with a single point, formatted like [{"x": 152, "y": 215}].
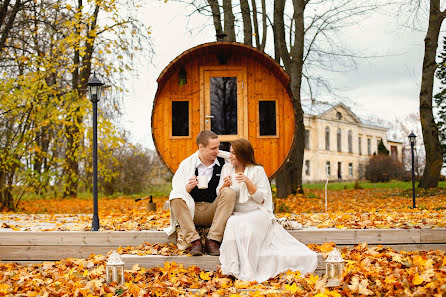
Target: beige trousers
[{"x": 207, "y": 214}]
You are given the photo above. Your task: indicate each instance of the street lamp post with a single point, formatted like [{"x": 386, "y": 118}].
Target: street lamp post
[
  {"x": 95, "y": 90},
  {"x": 412, "y": 138}
]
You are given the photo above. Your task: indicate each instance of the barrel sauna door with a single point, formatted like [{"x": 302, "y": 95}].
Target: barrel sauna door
[{"x": 225, "y": 102}]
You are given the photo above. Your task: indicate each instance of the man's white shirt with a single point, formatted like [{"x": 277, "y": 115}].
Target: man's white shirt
[{"x": 206, "y": 170}]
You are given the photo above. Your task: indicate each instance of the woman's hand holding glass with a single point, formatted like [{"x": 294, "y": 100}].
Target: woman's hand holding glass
[
  {"x": 241, "y": 177},
  {"x": 226, "y": 181}
]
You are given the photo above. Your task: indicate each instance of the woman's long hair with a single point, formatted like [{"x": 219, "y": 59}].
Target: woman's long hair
[{"x": 244, "y": 151}]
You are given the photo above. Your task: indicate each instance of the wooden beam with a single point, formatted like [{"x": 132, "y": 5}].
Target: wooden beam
[
  {"x": 132, "y": 238},
  {"x": 206, "y": 262}
]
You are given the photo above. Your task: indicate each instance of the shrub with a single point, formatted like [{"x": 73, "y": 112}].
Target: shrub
[
  {"x": 382, "y": 150},
  {"x": 136, "y": 168},
  {"x": 383, "y": 168}
]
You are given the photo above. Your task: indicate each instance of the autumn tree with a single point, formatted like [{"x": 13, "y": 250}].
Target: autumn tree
[
  {"x": 305, "y": 42},
  {"x": 8, "y": 15},
  {"x": 46, "y": 61},
  {"x": 440, "y": 100}
]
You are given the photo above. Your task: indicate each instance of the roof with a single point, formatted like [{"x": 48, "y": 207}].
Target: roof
[
  {"x": 224, "y": 48},
  {"x": 319, "y": 108},
  {"x": 392, "y": 140}
]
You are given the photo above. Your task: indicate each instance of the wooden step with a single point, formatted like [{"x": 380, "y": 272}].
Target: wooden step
[
  {"x": 205, "y": 262},
  {"x": 56, "y": 245}
]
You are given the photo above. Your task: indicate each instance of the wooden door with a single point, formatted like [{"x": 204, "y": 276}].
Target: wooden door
[{"x": 224, "y": 102}]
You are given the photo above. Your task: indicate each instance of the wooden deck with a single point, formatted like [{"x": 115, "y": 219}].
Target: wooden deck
[{"x": 55, "y": 245}]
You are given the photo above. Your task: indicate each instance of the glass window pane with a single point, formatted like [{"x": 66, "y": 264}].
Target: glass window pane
[
  {"x": 180, "y": 118},
  {"x": 224, "y": 146},
  {"x": 224, "y": 105},
  {"x": 267, "y": 117},
  {"x": 339, "y": 140},
  {"x": 307, "y": 139},
  {"x": 327, "y": 138}
]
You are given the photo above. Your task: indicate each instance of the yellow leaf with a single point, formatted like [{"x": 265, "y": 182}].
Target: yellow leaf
[
  {"x": 292, "y": 288},
  {"x": 205, "y": 275},
  {"x": 417, "y": 280},
  {"x": 241, "y": 284},
  {"x": 360, "y": 287},
  {"x": 4, "y": 288},
  {"x": 312, "y": 279},
  {"x": 332, "y": 293}
]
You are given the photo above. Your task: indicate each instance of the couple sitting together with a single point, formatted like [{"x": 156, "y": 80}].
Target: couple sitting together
[{"x": 237, "y": 206}]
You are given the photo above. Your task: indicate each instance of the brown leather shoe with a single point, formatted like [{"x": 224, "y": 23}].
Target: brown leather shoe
[
  {"x": 197, "y": 248},
  {"x": 212, "y": 247}
]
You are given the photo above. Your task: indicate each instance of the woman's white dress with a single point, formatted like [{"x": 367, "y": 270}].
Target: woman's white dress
[{"x": 255, "y": 247}]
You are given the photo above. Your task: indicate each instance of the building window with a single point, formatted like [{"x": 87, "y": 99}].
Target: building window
[
  {"x": 339, "y": 115},
  {"x": 180, "y": 118},
  {"x": 339, "y": 140},
  {"x": 369, "y": 146},
  {"x": 267, "y": 118},
  {"x": 359, "y": 146},
  {"x": 350, "y": 169},
  {"x": 328, "y": 168},
  {"x": 339, "y": 170},
  {"x": 307, "y": 139},
  {"x": 350, "y": 142},
  {"x": 327, "y": 138},
  {"x": 307, "y": 167},
  {"x": 394, "y": 152}
]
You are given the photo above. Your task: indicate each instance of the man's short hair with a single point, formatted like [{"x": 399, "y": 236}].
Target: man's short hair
[{"x": 204, "y": 136}]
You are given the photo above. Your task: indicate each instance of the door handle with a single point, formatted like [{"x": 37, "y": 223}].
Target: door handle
[{"x": 209, "y": 117}]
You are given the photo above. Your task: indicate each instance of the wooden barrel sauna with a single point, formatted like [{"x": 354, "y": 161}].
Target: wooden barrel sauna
[{"x": 230, "y": 88}]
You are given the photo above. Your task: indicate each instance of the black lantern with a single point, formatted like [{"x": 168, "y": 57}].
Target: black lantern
[
  {"x": 95, "y": 87},
  {"x": 412, "y": 138}
]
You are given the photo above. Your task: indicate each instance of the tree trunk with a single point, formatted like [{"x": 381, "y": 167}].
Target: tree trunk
[
  {"x": 247, "y": 26},
  {"x": 72, "y": 130},
  {"x": 79, "y": 82},
  {"x": 8, "y": 26},
  {"x": 434, "y": 156},
  {"x": 229, "y": 20},
  {"x": 293, "y": 61},
  {"x": 216, "y": 16},
  {"x": 3, "y": 11},
  {"x": 255, "y": 23},
  {"x": 264, "y": 28}
]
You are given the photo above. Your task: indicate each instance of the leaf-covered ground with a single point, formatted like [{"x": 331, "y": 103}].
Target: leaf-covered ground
[
  {"x": 370, "y": 271},
  {"x": 373, "y": 271},
  {"x": 351, "y": 209}
]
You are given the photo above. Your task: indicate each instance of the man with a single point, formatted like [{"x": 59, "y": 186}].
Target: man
[{"x": 191, "y": 206}]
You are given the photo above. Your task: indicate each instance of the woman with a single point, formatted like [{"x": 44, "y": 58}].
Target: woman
[{"x": 255, "y": 247}]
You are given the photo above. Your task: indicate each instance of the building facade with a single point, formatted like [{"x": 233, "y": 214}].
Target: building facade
[{"x": 338, "y": 144}]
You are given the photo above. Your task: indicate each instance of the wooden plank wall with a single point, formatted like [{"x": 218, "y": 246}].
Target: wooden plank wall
[{"x": 261, "y": 84}]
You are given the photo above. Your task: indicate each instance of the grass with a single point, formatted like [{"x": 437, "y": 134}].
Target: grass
[
  {"x": 402, "y": 185},
  {"x": 154, "y": 190},
  {"x": 164, "y": 190}
]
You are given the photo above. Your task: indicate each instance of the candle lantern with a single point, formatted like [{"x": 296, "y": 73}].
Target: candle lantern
[
  {"x": 114, "y": 269},
  {"x": 334, "y": 268}
]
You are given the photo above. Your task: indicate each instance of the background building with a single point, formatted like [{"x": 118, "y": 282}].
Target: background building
[{"x": 338, "y": 144}]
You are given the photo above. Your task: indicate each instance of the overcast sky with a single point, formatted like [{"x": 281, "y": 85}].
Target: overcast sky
[{"x": 386, "y": 86}]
